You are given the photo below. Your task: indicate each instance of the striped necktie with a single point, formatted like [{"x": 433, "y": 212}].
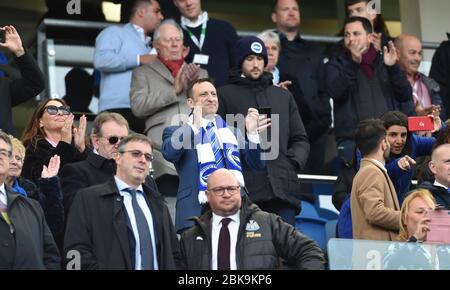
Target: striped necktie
[
  {"x": 4, "y": 213},
  {"x": 215, "y": 145}
]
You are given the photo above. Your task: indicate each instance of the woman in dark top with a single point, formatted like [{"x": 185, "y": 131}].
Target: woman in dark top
[{"x": 51, "y": 132}]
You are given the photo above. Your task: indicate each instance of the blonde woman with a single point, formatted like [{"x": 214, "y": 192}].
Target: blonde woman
[{"x": 414, "y": 216}]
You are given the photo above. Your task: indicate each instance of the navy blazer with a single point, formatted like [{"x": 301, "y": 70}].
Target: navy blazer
[{"x": 186, "y": 163}]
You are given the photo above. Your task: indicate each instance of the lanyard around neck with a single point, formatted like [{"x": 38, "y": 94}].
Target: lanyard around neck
[{"x": 194, "y": 39}]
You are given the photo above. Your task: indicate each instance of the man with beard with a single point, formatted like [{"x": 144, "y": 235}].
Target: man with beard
[
  {"x": 276, "y": 188},
  {"x": 374, "y": 204}
]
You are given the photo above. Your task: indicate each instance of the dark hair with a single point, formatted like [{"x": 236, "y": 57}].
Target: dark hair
[
  {"x": 275, "y": 3},
  {"x": 135, "y": 5},
  {"x": 368, "y": 135},
  {"x": 378, "y": 26},
  {"x": 33, "y": 131},
  {"x": 199, "y": 81},
  {"x": 364, "y": 21},
  {"x": 397, "y": 118},
  {"x": 133, "y": 138},
  {"x": 443, "y": 138}
]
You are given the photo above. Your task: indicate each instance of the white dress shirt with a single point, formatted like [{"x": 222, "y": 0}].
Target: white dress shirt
[
  {"x": 200, "y": 19},
  {"x": 233, "y": 227},
  {"x": 122, "y": 186},
  {"x": 146, "y": 39},
  {"x": 436, "y": 183}
]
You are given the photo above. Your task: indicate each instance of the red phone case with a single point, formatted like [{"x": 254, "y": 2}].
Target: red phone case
[{"x": 420, "y": 123}]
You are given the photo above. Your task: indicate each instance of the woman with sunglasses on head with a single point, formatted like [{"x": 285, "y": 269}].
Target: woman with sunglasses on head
[{"x": 51, "y": 132}]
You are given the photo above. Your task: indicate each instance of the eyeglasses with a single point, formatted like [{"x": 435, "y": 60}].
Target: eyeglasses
[
  {"x": 138, "y": 154},
  {"x": 53, "y": 110},
  {"x": 113, "y": 139},
  {"x": 220, "y": 191},
  {"x": 5, "y": 153}
]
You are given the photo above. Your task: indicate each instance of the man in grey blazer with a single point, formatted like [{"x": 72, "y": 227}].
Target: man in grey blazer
[{"x": 158, "y": 95}]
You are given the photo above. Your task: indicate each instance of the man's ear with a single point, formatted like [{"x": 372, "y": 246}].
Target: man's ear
[
  {"x": 274, "y": 17},
  {"x": 190, "y": 103},
  {"x": 95, "y": 141},
  {"x": 432, "y": 167}
]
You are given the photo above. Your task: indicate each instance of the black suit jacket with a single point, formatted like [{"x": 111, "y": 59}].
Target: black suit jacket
[
  {"x": 97, "y": 227},
  {"x": 79, "y": 175},
  {"x": 15, "y": 92},
  {"x": 32, "y": 246}
]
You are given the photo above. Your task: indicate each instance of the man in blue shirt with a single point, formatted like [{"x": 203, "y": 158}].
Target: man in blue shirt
[{"x": 119, "y": 50}]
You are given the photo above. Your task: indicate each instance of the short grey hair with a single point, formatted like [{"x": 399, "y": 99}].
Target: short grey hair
[
  {"x": 133, "y": 138},
  {"x": 270, "y": 35},
  {"x": 157, "y": 32},
  {"x": 5, "y": 137}
]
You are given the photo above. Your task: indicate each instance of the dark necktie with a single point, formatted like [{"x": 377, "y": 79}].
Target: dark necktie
[
  {"x": 215, "y": 145},
  {"x": 145, "y": 237},
  {"x": 223, "y": 248}
]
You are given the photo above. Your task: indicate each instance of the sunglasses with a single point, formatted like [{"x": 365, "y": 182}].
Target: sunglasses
[
  {"x": 138, "y": 154},
  {"x": 53, "y": 110},
  {"x": 113, "y": 139}
]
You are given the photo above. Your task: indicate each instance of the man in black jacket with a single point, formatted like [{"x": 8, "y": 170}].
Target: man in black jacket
[
  {"x": 301, "y": 62},
  {"x": 108, "y": 129},
  {"x": 123, "y": 224},
  {"x": 440, "y": 72},
  {"x": 363, "y": 83},
  {"x": 236, "y": 235},
  {"x": 15, "y": 92},
  {"x": 27, "y": 243},
  {"x": 440, "y": 167},
  {"x": 276, "y": 188}
]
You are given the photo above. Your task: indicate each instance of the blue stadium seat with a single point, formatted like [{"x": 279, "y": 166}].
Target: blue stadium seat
[{"x": 313, "y": 227}]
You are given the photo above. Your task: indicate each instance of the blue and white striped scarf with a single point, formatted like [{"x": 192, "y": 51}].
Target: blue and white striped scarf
[{"x": 207, "y": 161}]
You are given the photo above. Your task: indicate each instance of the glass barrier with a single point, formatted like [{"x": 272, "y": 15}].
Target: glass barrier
[{"x": 381, "y": 255}]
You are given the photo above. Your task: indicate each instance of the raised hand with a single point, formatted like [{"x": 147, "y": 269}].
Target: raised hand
[
  {"x": 356, "y": 50},
  {"x": 406, "y": 163},
  {"x": 422, "y": 229},
  {"x": 256, "y": 123},
  {"x": 390, "y": 55},
  {"x": 80, "y": 133},
  {"x": 180, "y": 80},
  {"x": 284, "y": 85},
  {"x": 192, "y": 72},
  {"x": 52, "y": 169},
  {"x": 437, "y": 120},
  {"x": 66, "y": 131},
  {"x": 12, "y": 41},
  {"x": 376, "y": 41}
]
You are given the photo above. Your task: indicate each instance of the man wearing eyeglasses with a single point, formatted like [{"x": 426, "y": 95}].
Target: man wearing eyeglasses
[
  {"x": 205, "y": 144},
  {"x": 26, "y": 241},
  {"x": 15, "y": 92},
  {"x": 236, "y": 235},
  {"x": 123, "y": 224},
  {"x": 108, "y": 129}
]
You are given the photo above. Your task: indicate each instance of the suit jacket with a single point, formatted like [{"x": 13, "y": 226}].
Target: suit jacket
[
  {"x": 374, "y": 204},
  {"x": 98, "y": 228},
  {"x": 32, "y": 246},
  {"x": 186, "y": 163},
  {"x": 79, "y": 175},
  {"x": 15, "y": 92},
  {"x": 153, "y": 98}
]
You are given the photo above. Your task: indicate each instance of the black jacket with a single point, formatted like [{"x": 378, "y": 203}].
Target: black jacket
[
  {"x": 440, "y": 72},
  {"x": 302, "y": 63},
  {"x": 279, "y": 179},
  {"x": 259, "y": 248},
  {"x": 440, "y": 194},
  {"x": 79, "y": 175},
  {"x": 342, "y": 85},
  {"x": 32, "y": 246},
  {"x": 97, "y": 227},
  {"x": 49, "y": 194},
  {"x": 36, "y": 158},
  {"x": 15, "y": 92}
]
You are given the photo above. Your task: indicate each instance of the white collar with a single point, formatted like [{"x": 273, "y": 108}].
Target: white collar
[
  {"x": 141, "y": 32},
  {"x": 122, "y": 186},
  {"x": 217, "y": 219},
  {"x": 203, "y": 17},
  {"x": 437, "y": 183},
  {"x": 2, "y": 189},
  {"x": 205, "y": 122}
]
